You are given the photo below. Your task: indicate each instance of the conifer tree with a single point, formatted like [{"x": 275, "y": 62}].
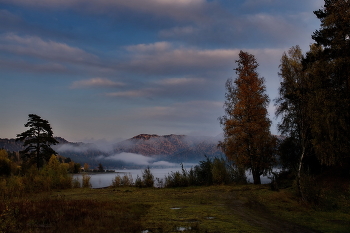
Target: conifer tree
[
  {"x": 328, "y": 67},
  {"x": 247, "y": 138},
  {"x": 37, "y": 140}
]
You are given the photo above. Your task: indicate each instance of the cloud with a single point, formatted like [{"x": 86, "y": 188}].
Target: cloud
[
  {"x": 150, "y": 48},
  {"x": 200, "y": 74},
  {"x": 74, "y": 148},
  {"x": 192, "y": 109},
  {"x": 96, "y": 82},
  {"x": 137, "y": 159},
  {"x": 35, "y": 47},
  {"x": 165, "y": 88},
  {"x": 166, "y": 58},
  {"x": 180, "y": 81},
  {"x": 189, "y": 61},
  {"x": 92, "y": 145},
  {"x": 180, "y": 10},
  {"x": 133, "y": 93},
  {"x": 164, "y": 164},
  {"x": 130, "y": 158},
  {"x": 25, "y": 66}
]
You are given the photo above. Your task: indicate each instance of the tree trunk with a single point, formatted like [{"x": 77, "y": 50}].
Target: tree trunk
[
  {"x": 300, "y": 191},
  {"x": 256, "y": 177}
]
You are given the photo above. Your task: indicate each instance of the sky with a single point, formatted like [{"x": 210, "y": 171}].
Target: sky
[{"x": 113, "y": 69}]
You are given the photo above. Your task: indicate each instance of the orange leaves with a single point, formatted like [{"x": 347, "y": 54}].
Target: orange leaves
[{"x": 248, "y": 141}]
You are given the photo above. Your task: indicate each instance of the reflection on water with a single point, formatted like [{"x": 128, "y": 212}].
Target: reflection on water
[{"x": 101, "y": 180}]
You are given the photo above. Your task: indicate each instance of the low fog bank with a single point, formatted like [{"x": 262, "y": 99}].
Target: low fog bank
[
  {"x": 84, "y": 147},
  {"x": 132, "y": 160}
]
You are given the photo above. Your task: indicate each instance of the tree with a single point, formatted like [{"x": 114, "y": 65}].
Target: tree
[
  {"x": 5, "y": 163},
  {"x": 247, "y": 138},
  {"x": 100, "y": 168},
  {"x": 86, "y": 167},
  {"x": 37, "y": 140},
  {"x": 328, "y": 65},
  {"x": 293, "y": 107}
]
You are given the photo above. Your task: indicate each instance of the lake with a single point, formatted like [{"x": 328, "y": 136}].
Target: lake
[{"x": 100, "y": 180}]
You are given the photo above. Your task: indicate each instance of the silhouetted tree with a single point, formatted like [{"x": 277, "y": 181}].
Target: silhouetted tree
[
  {"x": 328, "y": 67},
  {"x": 100, "y": 168},
  {"x": 247, "y": 138},
  {"x": 37, "y": 140}
]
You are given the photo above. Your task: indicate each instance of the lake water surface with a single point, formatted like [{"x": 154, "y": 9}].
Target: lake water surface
[{"x": 100, "y": 180}]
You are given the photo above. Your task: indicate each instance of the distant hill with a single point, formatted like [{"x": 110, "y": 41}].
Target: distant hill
[
  {"x": 10, "y": 144},
  {"x": 172, "y": 147}
]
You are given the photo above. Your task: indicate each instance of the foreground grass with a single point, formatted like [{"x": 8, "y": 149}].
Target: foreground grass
[{"x": 194, "y": 209}]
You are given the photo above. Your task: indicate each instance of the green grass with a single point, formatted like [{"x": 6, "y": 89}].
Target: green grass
[{"x": 245, "y": 208}]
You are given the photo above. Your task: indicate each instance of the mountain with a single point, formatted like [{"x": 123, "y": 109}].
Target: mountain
[
  {"x": 172, "y": 147},
  {"x": 10, "y": 144}
]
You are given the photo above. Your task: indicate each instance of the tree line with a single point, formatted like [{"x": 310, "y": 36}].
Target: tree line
[{"x": 313, "y": 105}]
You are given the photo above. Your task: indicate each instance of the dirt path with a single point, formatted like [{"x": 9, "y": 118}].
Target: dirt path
[{"x": 257, "y": 215}]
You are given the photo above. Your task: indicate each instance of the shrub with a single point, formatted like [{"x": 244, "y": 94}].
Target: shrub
[
  {"x": 138, "y": 182},
  {"x": 184, "y": 179},
  {"x": 147, "y": 178},
  {"x": 204, "y": 172},
  {"x": 86, "y": 181},
  {"x": 238, "y": 175},
  {"x": 56, "y": 175},
  {"x": 160, "y": 183},
  {"x": 76, "y": 183},
  {"x": 116, "y": 182},
  {"x": 175, "y": 179},
  {"x": 127, "y": 180},
  {"x": 220, "y": 174},
  {"x": 15, "y": 186}
]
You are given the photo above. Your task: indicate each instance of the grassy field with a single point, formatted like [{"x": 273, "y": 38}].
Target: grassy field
[{"x": 245, "y": 208}]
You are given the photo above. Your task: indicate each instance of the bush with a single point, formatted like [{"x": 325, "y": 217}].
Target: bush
[
  {"x": 138, "y": 182},
  {"x": 175, "y": 179},
  {"x": 86, "y": 181},
  {"x": 116, "y": 182},
  {"x": 76, "y": 183},
  {"x": 125, "y": 180},
  {"x": 204, "y": 172},
  {"x": 147, "y": 178},
  {"x": 56, "y": 175},
  {"x": 15, "y": 186},
  {"x": 238, "y": 175},
  {"x": 208, "y": 172},
  {"x": 220, "y": 174}
]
